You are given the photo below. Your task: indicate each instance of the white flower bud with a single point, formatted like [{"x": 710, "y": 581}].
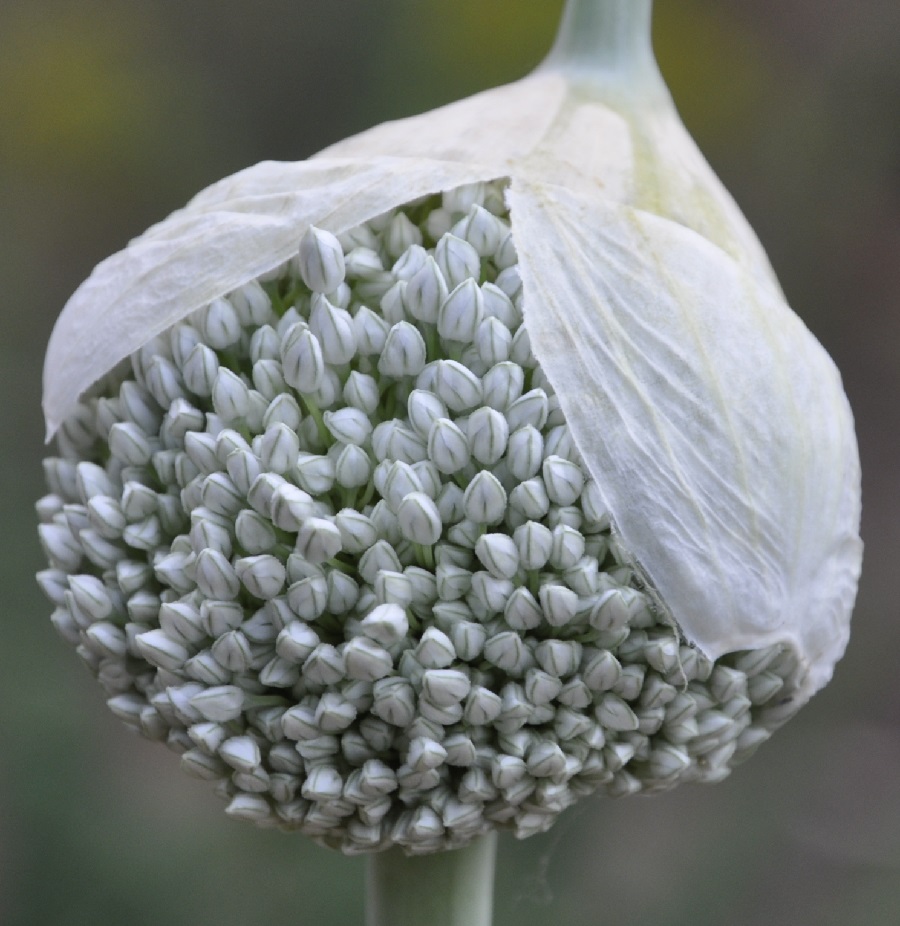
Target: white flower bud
[
  {"x": 468, "y": 639},
  {"x": 485, "y": 499},
  {"x": 614, "y": 714},
  {"x": 303, "y": 365},
  {"x": 559, "y": 604},
  {"x": 489, "y": 594},
  {"x": 182, "y": 340},
  {"x": 612, "y": 610},
  {"x": 498, "y": 554},
  {"x": 216, "y": 577},
  {"x": 321, "y": 260},
  {"x": 563, "y": 480},
  {"x": 452, "y": 582},
  {"x": 219, "y": 704},
  {"x": 53, "y": 583},
  {"x": 265, "y": 344},
  {"x": 568, "y": 546},
  {"x": 445, "y": 687},
  {"x": 221, "y": 496},
  {"x": 296, "y": 642},
  {"x": 244, "y": 468},
  {"x": 425, "y": 754},
  {"x": 161, "y": 650},
  {"x": 318, "y": 540},
  {"x": 506, "y": 255},
  {"x": 279, "y": 448},
  {"x": 308, "y": 598},
  {"x": 600, "y": 670},
  {"x": 403, "y": 353},
  {"x": 450, "y": 503},
  {"x": 106, "y": 516},
  {"x": 138, "y": 501},
  {"x": 419, "y": 519},
  {"x": 314, "y": 473},
  {"x": 483, "y": 706},
  {"x": 353, "y": 468},
  {"x": 219, "y": 324},
  {"x": 144, "y": 535},
  {"x": 558, "y": 657},
  {"x": 507, "y": 651},
  {"x": 461, "y": 312},
  {"x": 175, "y": 570},
  {"x": 400, "y": 236},
  {"x": 288, "y": 506},
  {"x": 493, "y": 341},
  {"x": 529, "y": 409},
  {"x": 263, "y": 575},
  {"x": 201, "y": 451},
  {"x": 92, "y": 480},
  {"x": 324, "y": 666},
  {"x": 363, "y": 262},
  {"x": 426, "y": 292},
  {"x": 268, "y": 378},
  {"x": 392, "y": 440},
  {"x": 482, "y": 230},
  {"x": 434, "y": 650},
  {"x": 252, "y": 304},
  {"x": 140, "y": 407},
  {"x": 534, "y": 542},
  {"x": 206, "y": 669},
  {"x": 457, "y": 260},
  {"x": 230, "y": 396},
  {"x": 530, "y": 499},
  {"x": 334, "y": 329},
  {"x": 488, "y": 434},
  {"x": 361, "y": 392},
  {"x": 371, "y": 332},
  {"x": 349, "y": 425},
  {"x": 200, "y": 370},
  {"x": 386, "y": 624},
  {"x": 128, "y": 443},
  {"x": 423, "y": 409},
  {"x": 181, "y": 621},
  {"x": 394, "y": 701},
  {"x": 457, "y": 386},
  {"x": 498, "y": 305},
  {"x": 393, "y": 303},
  {"x": 448, "y": 447},
  {"x": 181, "y": 418},
  {"x": 241, "y": 753},
  {"x": 357, "y": 531},
  {"x": 510, "y": 283},
  {"x": 107, "y": 639}
]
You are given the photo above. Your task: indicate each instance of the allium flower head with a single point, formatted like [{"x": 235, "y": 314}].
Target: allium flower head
[{"x": 472, "y": 466}]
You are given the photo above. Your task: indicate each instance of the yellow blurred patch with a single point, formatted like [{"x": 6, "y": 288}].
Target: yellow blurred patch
[{"x": 76, "y": 91}]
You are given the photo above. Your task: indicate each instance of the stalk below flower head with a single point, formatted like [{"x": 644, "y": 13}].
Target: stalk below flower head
[{"x": 472, "y": 466}]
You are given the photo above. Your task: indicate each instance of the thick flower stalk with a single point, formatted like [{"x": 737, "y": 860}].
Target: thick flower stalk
[{"x": 474, "y": 465}]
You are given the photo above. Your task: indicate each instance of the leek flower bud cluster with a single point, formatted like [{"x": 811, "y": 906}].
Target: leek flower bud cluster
[{"x": 471, "y": 467}]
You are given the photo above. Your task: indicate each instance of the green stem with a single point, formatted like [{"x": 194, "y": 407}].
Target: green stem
[
  {"x": 445, "y": 889},
  {"x": 607, "y": 42}
]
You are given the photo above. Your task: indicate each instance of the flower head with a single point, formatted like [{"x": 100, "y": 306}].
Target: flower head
[{"x": 472, "y": 466}]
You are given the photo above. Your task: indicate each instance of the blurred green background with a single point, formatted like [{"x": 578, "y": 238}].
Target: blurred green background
[{"x": 112, "y": 113}]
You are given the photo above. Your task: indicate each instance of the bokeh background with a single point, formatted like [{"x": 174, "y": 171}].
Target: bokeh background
[{"x": 112, "y": 113}]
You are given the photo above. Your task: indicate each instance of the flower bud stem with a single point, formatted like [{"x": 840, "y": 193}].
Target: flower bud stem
[
  {"x": 445, "y": 889},
  {"x": 607, "y": 41}
]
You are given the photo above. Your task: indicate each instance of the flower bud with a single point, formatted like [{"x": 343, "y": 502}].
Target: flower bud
[{"x": 321, "y": 260}]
